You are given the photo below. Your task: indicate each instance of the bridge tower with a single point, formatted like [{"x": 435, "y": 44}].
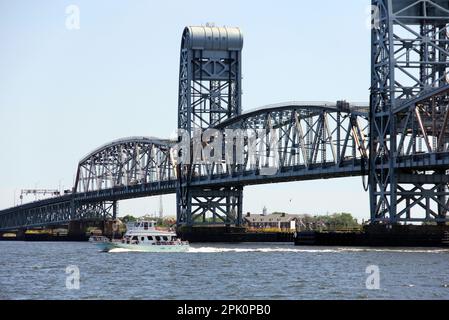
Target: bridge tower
[
  {"x": 409, "y": 111},
  {"x": 209, "y": 93}
]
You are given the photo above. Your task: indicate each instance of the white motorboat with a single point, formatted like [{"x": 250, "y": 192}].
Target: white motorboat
[{"x": 144, "y": 237}]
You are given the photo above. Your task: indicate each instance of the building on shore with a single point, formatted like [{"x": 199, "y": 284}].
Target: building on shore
[{"x": 281, "y": 221}]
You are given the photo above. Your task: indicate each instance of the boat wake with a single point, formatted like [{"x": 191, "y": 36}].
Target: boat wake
[
  {"x": 242, "y": 249},
  {"x": 121, "y": 250},
  {"x": 309, "y": 250},
  {"x": 219, "y": 250}
]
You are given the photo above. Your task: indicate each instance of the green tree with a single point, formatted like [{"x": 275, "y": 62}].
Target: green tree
[
  {"x": 128, "y": 218},
  {"x": 340, "y": 221}
]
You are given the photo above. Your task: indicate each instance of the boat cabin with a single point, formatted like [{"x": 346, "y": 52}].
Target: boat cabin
[
  {"x": 146, "y": 239},
  {"x": 141, "y": 225},
  {"x": 144, "y": 232}
]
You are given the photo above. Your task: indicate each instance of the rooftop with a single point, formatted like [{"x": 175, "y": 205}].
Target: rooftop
[{"x": 278, "y": 217}]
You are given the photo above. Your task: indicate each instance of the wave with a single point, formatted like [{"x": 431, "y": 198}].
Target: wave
[
  {"x": 218, "y": 250},
  {"x": 308, "y": 250},
  {"x": 121, "y": 250},
  {"x": 243, "y": 249}
]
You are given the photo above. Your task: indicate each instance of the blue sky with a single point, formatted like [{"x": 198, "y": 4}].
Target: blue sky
[{"x": 65, "y": 92}]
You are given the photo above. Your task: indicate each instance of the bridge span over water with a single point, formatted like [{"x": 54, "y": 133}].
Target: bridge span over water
[{"x": 399, "y": 140}]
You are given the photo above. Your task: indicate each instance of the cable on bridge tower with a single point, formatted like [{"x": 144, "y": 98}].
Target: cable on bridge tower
[{"x": 366, "y": 182}]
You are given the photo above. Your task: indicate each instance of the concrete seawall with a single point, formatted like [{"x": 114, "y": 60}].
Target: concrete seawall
[
  {"x": 231, "y": 234},
  {"x": 379, "y": 236}
]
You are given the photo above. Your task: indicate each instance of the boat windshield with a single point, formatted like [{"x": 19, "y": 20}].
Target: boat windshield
[{"x": 143, "y": 225}]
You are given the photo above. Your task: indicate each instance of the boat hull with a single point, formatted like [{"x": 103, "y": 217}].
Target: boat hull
[{"x": 111, "y": 246}]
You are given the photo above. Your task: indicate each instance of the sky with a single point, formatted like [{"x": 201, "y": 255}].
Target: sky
[{"x": 64, "y": 92}]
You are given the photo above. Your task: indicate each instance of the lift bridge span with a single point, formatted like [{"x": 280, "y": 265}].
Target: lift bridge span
[{"x": 398, "y": 141}]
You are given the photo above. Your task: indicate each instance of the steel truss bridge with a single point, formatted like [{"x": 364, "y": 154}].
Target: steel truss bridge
[{"x": 399, "y": 140}]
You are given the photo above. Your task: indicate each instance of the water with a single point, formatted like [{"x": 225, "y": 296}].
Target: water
[{"x": 37, "y": 270}]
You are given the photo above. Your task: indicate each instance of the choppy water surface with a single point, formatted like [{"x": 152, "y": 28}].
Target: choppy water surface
[{"x": 37, "y": 270}]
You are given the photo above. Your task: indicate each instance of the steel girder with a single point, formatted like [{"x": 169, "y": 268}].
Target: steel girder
[
  {"x": 134, "y": 165},
  {"x": 308, "y": 137},
  {"x": 57, "y": 213},
  {"x": 209, "y": 93},
  {"x": 122, "y": 169},
  {"x": 103, "y": 210},
  {"x": 407, "y": 113},
  {"x": 125, "y": 162}
]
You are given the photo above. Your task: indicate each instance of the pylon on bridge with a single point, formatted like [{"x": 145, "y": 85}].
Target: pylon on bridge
[
  {"x": 209, "y": 93},
  {"x": 409, "y": 111}
]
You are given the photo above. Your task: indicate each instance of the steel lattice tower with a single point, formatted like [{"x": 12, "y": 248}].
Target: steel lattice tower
[
  {"x": 409, "y": 63},
  {"x": 209, "y": 93}
]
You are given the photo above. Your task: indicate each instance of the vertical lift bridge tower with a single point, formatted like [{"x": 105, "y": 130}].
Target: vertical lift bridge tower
[
  {"x": 209, "y": 93},
  {"x": 410, "y": 48}
]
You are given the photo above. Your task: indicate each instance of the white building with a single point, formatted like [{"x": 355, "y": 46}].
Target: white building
[{"x": 281, "y": 221}]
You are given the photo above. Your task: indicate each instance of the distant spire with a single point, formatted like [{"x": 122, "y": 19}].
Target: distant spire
[{"x": 161, "y": 208}]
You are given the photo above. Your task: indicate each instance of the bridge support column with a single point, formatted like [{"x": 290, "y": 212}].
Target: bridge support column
[
  {"x": 77, "y": 229},
  {"x": 199, "y": 206},
  {"x": 210, "y": 92},
  {"x": 409, "y": 111},
  {"x": 114, "y": 209},
  {"x": 443, "y": 201},
  {"x": 20, "y": 234}
]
